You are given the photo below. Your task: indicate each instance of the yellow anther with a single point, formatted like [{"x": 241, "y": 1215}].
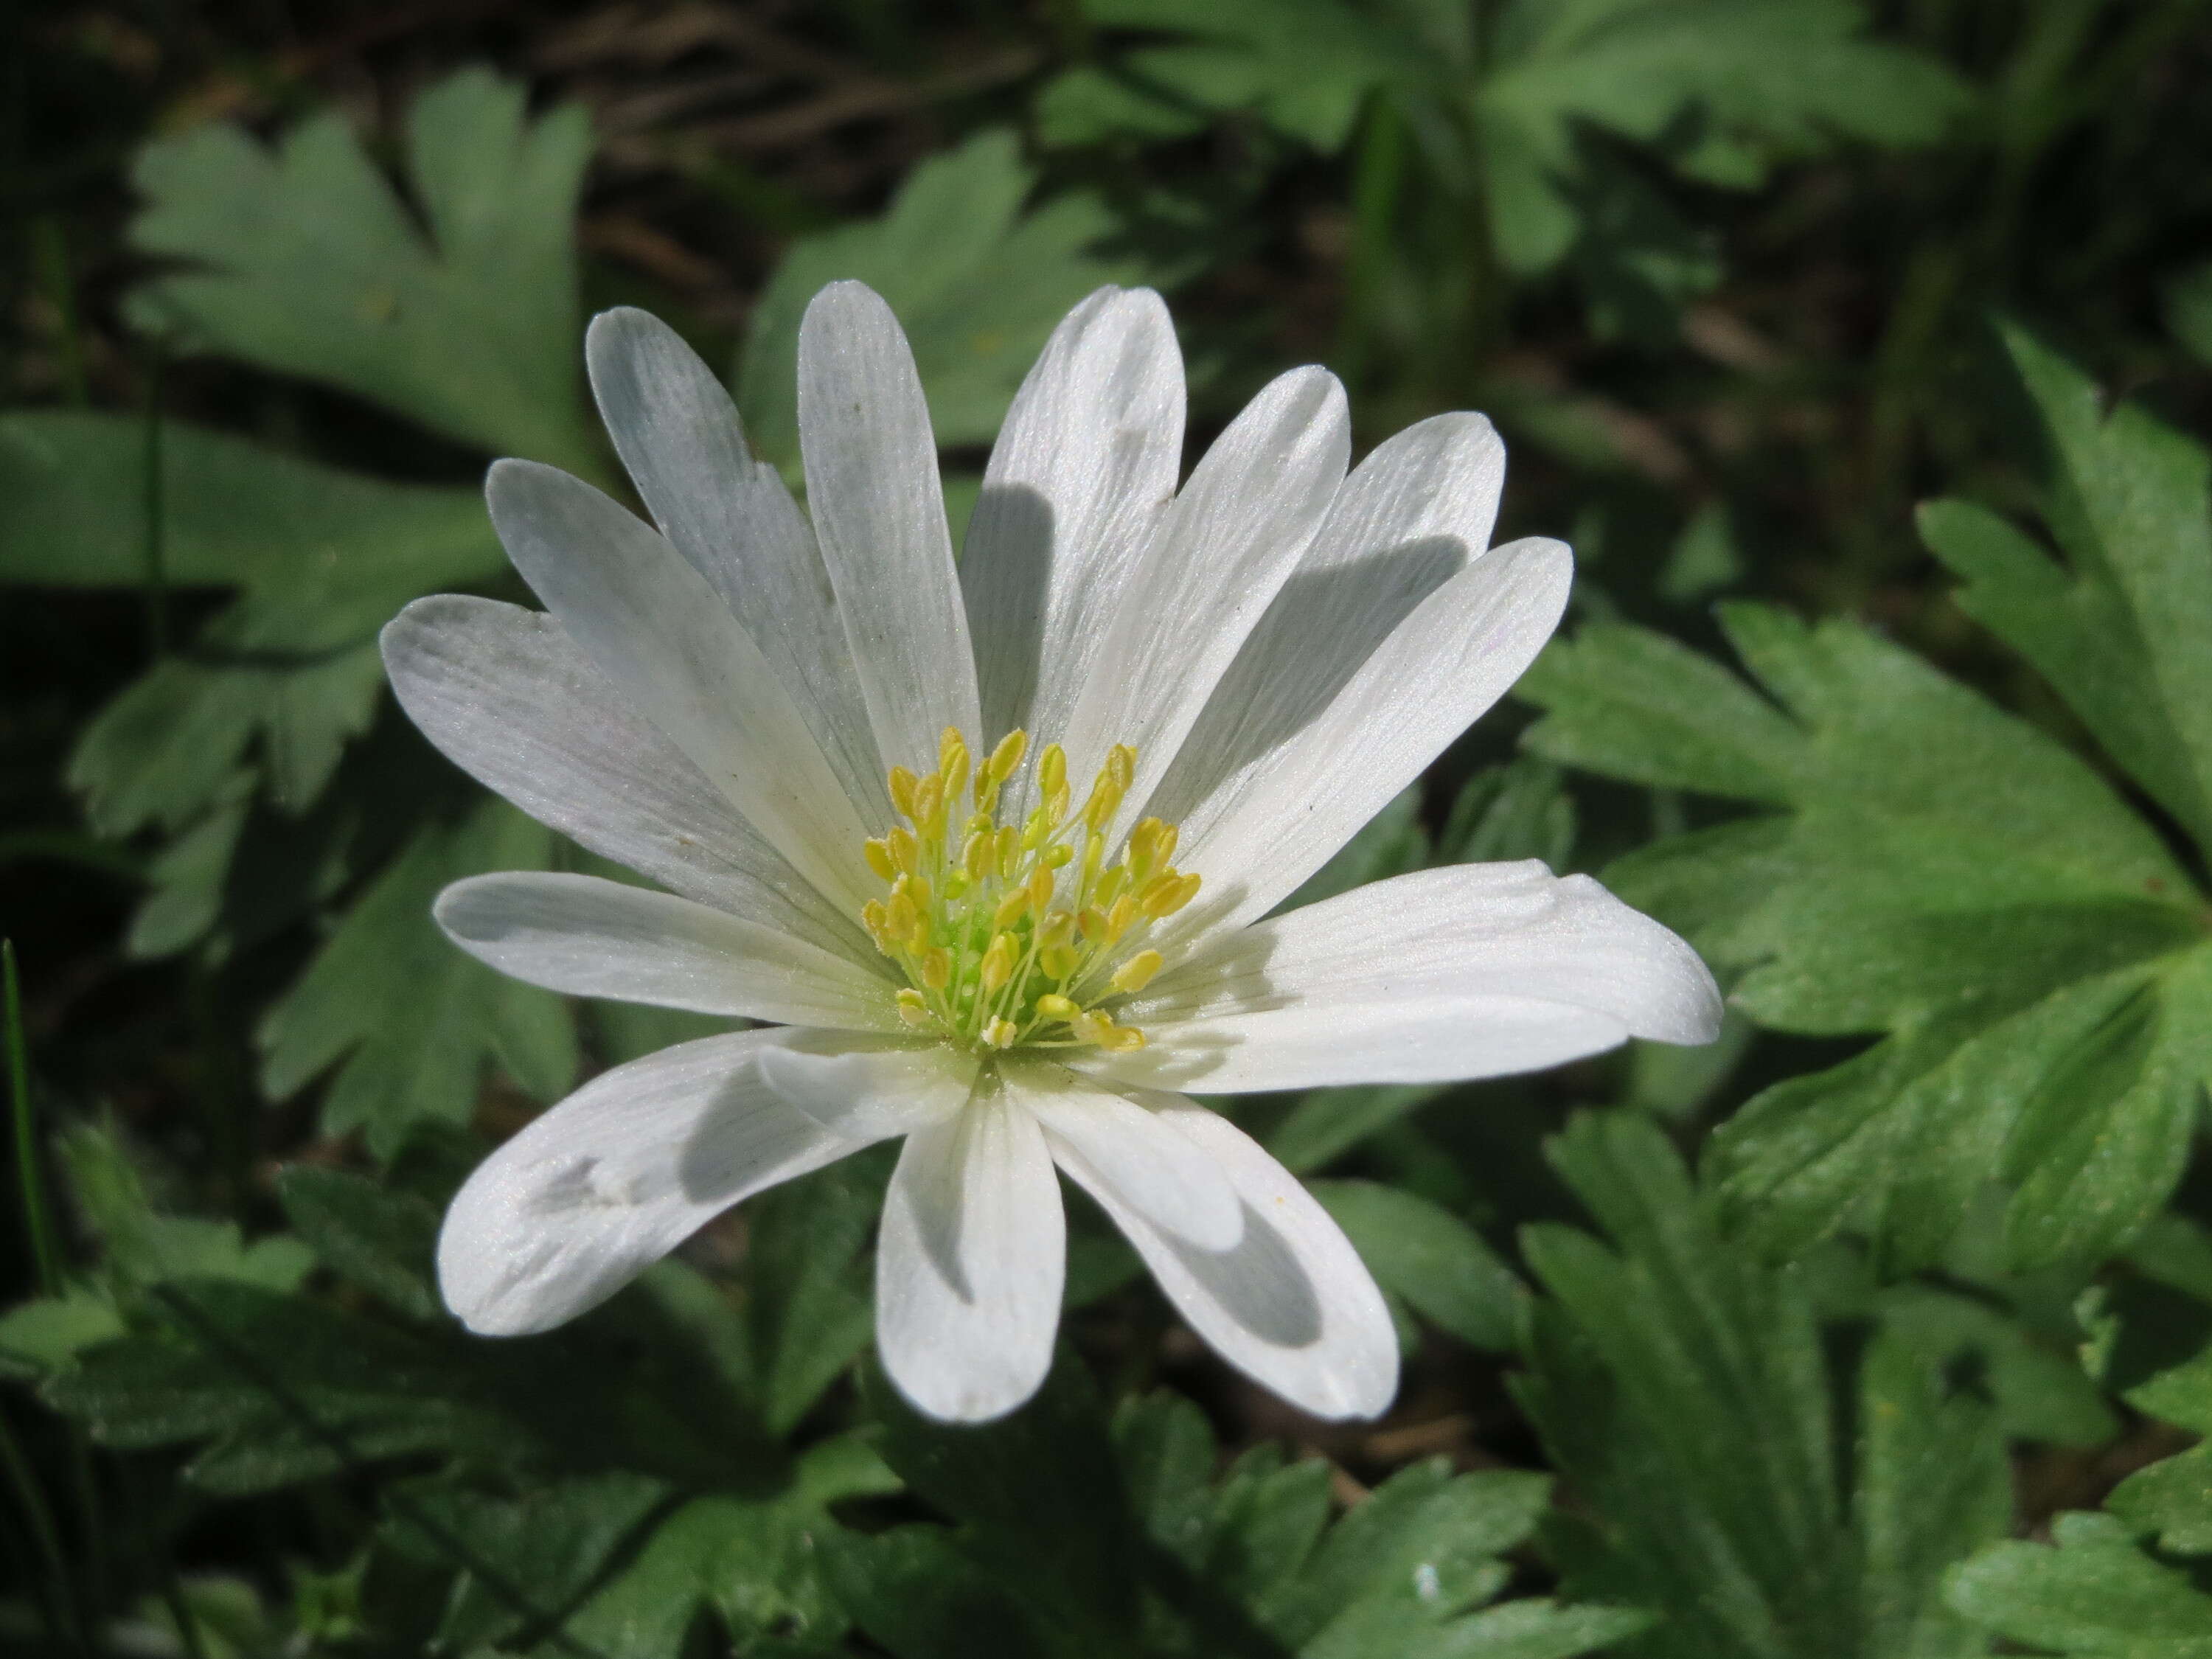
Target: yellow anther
[
  {"x": 1166, "y": 894},
  {"x": 937, "y": 967},
  {"x": 1052, "y": 770},
  {"x": 1053, "y": 1006},
  {"x": 1137, "y": 972},
  {"x": 952, "y": 756},
  {"x": 878, "y": 855},
  {"x": 1119, "y": 918},
  {"x": 911, "y": 1007},
  {"x": 902, "y": 918},
  {"x": 1105, "y": 800},
  {"x": 1058, "y": 961},
  {"x": 1122, "y": 1039},
  {"x": 877, "y": 921},
  {"x": 1121, "y": 765},
  {"x": 975, "y": 856},
  {"x": 1057, "y": 855},
  {"x": 916, "y": 888},
  {"x": 1010, "y": 847},
  {"x": 1111, "y": 884},
  {"x": 929, "y": 806},
  {"x": 1056, "y": 805},
  {"x": 1040, "y": 890},
  {"x": 905, "y": 851},
  {"x": 998, "y": 964},
  {"x": 1092, "y": 1026},
  {"x": 1057, "y": 928},
  {"x": 1001, "y": 1033},
  {"x": 901, "y": 783},
  {"x": 1006, "y": 757},
  {"x": 1094, "y": 923},
  {"x": 1012, "y": 909}
]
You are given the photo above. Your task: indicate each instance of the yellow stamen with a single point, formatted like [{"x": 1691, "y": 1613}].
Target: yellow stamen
[{"x": 1137, "y": 972}]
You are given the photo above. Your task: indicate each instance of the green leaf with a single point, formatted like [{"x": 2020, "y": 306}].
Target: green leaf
[
  {"x": 544, "y": 1546},
  {"x": 754, "y": 1561},
  {"x": 1682, "y": 1386},
  {"x": 810, "y": 1307},
  {"x": 324, "y": 556},
  {"x": 2118, "y": 629},
  {"x": 309, "y": 263},
  {"x": 378, "y": 1239},
  {"x": 1944, "y": 874},
  {"x": 2095, "y": 1593},
  {"x": 410, "y": 1019},
  {"x": 978, "y": 283},
  {"x": 1302, "y": 66},
  {"x": 1427, "y": 1255}
]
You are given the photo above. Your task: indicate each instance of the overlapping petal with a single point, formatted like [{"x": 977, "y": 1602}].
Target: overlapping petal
[
  {"x": 1219, "y": 556},
  {"x": 1267, "y": 826},
  {"x": 614, "y": 1177},
  {"x": 654, "y": 626},
  {"x": 1290, "y": 1304},
  {"x": 732, "y": 518},
  {"x": 512, "y": 699},
  {"x": 1471, "y": 970},
  {"x": 1124, "y": 1145},
  {"x": 1083, "y": 468},
  {"x": 592, "y": 937},
  {"x": 878, "y": 511},
  {"x": 970, "y": 1262}
]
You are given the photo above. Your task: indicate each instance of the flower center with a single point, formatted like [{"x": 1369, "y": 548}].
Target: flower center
[{"x": 1019, "y": 934}]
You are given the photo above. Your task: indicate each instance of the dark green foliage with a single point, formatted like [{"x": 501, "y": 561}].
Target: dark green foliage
[
  {"x": 1917, "y": 1363},
  {"x": 1771, "y": 1495},
  {"x": 1946, "y": 872}
]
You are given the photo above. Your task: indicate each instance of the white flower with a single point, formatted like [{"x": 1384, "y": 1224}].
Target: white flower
[{"x": 1001, "y": 952}]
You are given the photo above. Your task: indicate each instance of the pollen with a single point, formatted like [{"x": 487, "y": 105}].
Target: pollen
[{"x": 1028, "y": 933}]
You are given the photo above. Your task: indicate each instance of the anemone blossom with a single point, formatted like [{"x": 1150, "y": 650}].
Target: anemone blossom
[{"x": 992, "y": 851}]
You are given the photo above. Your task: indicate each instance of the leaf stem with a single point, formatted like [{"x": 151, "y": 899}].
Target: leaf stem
[
  {"x": 157, "y": 580},
  {"x": 38, "y": 1219}
]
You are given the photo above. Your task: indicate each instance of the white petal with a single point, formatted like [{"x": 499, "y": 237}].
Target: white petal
[
  {"x": 1274, "y": 822},
  {"x": 1291, "y": 1305},
  {"x": 1221, "y": 552},
  {"x": 730, "y": 516},
  {"x": 614, "y": 1177},
  {"x": 1084, "y": 467},
  {"x": 513, "y": 701},
  {"x": 869, "y": 1093},
  {"x": 653, "y": 626},
  {"x": 1414, "y": 514},
  {"x": 1105, "y": 1139},
  {"x": 1471, "y": 970},
  {"x": 969, "y": 1263},
  {"x": 878, "y": 509},
  {"x": 589, "y": 938}
]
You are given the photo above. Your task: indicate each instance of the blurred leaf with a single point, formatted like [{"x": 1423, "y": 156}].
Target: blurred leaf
[
  {"x": 379, "y": 1240},
  {"x": 1946, "y": 873},
  {"x": 810, "y": 1309},
  {"x": 1329, "y": 1122},
  {"x": 1683, "y": 1388},
  {"x": 977, "y": 281},
  {"x": 1303, "y": 66},
  {"x": 2153, "y": 1347},
  {"x": 1516, "y": 811},
  {"x": 544, "y": 1546},
  {"x": 2095, "y": 1593},
  {"x": 310, "y": 263},
  {"x": 1437, "y": 1263},
  {"x": 408, "y": 1018},
  {"x": 324, "y": 556},
  {"x": 2189, "y": 310}
]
